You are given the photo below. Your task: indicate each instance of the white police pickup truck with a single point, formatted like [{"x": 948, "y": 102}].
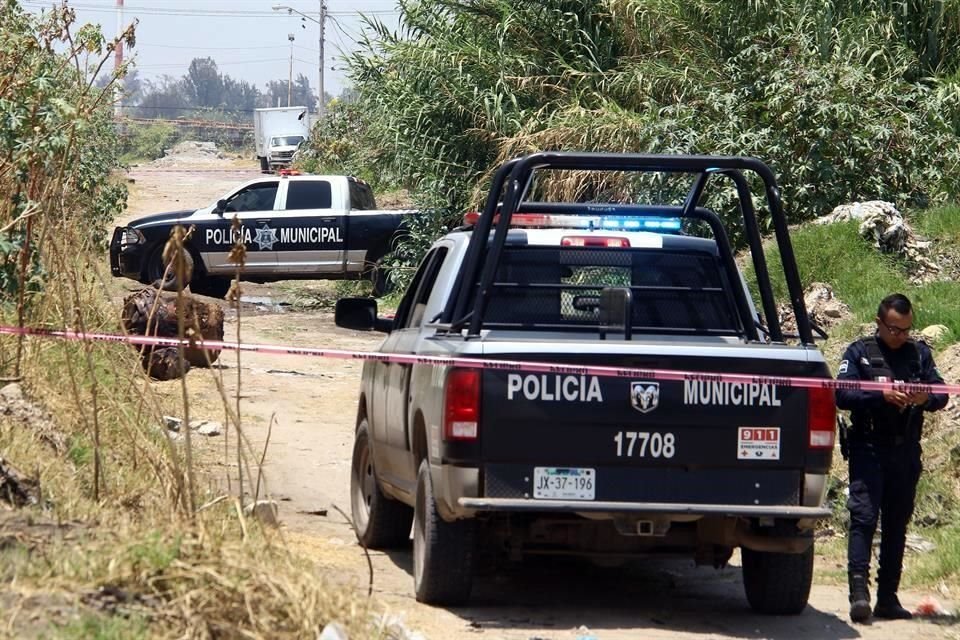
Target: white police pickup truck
[
  {"x": 292, "y": 225},
  {"x": 497, "y": 462}
]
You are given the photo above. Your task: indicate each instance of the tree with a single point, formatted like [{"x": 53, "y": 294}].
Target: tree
[
  {"x": 132, "y": 86},
  {"x": 300, "y": 95},
  {"x": 240, "y": 96},
  {"x": 303, "y": 93},
  {"x": 204, "y": 82},
  {"x": 167, "y": 98}
]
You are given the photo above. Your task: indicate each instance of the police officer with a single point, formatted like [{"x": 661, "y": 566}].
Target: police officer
[{"x": 884, "y": 451}]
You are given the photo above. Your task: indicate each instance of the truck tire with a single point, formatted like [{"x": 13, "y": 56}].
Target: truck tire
[
  {"x": 380, "y": 522},
  {"x": 264, "y": 167},
  {"x": 380, "y": 279},
  {"x": 211, "y": 286},
  {"x": 777, "y": 583},
  {"x": 157, "y": 274},
  {"x": 443, "y": 552}
]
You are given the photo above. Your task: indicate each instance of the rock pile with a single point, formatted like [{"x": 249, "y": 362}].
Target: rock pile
[
  {"x": 190, "y": 152},
  {"x": 823, "y": 307},
  {"x": 882, "y": 223}
]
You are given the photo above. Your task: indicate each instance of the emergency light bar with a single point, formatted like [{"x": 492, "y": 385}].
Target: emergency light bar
[{"x": 605, "y": 223}]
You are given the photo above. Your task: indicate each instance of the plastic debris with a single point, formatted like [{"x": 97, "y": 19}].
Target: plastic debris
[{"x": 929, "y": 607}]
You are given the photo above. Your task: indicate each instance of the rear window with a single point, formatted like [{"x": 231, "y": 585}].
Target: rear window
[
  {"x": 308, "y": 194},
  {"x": 361, "y": 197},
  {"x": 559, "y": 288}
]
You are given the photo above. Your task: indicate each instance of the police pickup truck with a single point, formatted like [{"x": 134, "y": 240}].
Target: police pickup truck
[
  {"x": 292, "y": 225},
  {"x": 489, "y": 460}
]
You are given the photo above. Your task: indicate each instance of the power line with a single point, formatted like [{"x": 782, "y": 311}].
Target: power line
[
  {"x": 194, "y": 47},
  {"x": 223, "y": 110},
  {"x": 218, "y": 13},
  {"x": 219, "y": 63},
  {"x": 354, "y": 37}
]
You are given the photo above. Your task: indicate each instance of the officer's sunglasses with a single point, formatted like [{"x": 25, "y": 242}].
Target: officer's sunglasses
[{"x": 897, "y": 331}]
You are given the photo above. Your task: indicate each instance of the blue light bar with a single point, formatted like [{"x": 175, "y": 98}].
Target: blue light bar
[
  {"x": 657, "y": 224},
  {"x": 638, "y": 224}
]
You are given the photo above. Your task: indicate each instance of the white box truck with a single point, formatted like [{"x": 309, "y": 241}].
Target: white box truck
[{"x": 278, "y": 132}]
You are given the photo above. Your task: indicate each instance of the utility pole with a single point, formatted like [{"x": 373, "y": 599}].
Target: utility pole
[
  {"x": 322, "y": 21},
  {"x": 118, "y": 62},
  {"x": 290, "y": 73},
  {"x": 321, "y": 103}
]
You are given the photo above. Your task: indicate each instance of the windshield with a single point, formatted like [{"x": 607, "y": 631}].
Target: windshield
[{"x": 286, "y": 141}]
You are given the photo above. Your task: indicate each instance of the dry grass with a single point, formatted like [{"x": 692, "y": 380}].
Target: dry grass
[{"x": 138, "y": 558}]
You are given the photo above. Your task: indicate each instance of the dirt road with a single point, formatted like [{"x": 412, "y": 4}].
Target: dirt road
[{"x": 313, "y": 405}]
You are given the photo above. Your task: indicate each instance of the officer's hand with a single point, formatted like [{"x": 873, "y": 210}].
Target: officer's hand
[
  {"x": 919, "y": 398},
  {"x": 897, "y": 398}
]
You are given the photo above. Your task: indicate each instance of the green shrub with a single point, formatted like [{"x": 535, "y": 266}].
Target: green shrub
[
  {"x": 829, "y": 94},
  {"x": 58, "y": 145},
  {"x": 147, "y": 141}
]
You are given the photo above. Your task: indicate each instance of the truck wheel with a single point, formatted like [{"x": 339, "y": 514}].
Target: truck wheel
[
  {"x": 158, "y": 275},
  {"x": 777, "y": 583},
  {"x": 211, "y": 286},
  {"x": 381, "y": 522},
  {"x": 264, "y": 167},
  {"x": 443, "y": 552}
]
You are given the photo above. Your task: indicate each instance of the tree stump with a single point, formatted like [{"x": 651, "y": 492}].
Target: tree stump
[{"x": 149, "y": 312}]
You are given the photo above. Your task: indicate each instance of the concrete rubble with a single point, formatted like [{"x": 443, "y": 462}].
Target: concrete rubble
[
  {"x": 823, "y": 307},
  {"x": 267, "y": 512},
  {"x": 190, "y": 151},
  {"x": 391, "y": 628},
  {"x": 201, "y": 427},
  {"x": 882, "y": 223},
  {"x": 936, "y": 334},
  {"x": 14, "y": 404}
]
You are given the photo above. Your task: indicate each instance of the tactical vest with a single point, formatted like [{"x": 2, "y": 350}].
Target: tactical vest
[{"x": 887, "y": 420}]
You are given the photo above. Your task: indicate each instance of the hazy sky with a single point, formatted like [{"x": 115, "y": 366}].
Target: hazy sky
[{"x": 247, "y": 38}]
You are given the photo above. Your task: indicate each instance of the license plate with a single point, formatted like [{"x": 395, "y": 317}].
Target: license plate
[{"x": 564, "y": 483}]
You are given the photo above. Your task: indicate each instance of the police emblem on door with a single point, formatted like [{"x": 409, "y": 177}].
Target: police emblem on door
[{"x": 645, "y": 396}]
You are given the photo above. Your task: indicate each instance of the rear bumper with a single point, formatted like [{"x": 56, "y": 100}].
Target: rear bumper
[{"x": 639, "y": 508}]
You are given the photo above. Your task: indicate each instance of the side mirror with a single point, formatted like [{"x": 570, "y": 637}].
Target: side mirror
[
  {"x": 221, "y": 207},
  {"x": 360, "y": 314}
]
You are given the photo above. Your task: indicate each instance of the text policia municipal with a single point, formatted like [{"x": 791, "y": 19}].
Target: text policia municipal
[
  {"x": 285, "y": 235},
  {"x": 587, "y": 389}
]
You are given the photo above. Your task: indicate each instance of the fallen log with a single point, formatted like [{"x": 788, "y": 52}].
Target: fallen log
[{"x": 149, "y": 312}]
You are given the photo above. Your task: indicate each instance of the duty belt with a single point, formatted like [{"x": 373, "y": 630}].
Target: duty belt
[{"x": 896, "y": 436}]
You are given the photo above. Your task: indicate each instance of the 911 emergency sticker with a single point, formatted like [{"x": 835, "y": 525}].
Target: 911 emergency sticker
[{"x": 758, "y": 443}]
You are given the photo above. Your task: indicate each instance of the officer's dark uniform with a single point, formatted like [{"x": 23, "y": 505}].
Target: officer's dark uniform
[{"x": 884, "y": 450}]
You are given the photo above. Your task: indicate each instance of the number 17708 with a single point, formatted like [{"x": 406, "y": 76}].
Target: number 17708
[{"x": 645, "y": 444}]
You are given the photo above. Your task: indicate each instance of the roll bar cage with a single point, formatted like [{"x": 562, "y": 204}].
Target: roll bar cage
[{"x": 513, "y": 179}]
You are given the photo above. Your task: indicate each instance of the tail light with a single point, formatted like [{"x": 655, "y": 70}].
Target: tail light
[
  {"x": 821, "y": 418},
  {"x": 461, "y": 414},
  {"x": 594, "y": 241}
]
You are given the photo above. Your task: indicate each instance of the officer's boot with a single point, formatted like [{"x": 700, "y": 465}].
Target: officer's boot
[
  {"x": 888, "y": 581},
  {"x": 889, "y": 607},
  {"x": 859, "y": 597}
]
